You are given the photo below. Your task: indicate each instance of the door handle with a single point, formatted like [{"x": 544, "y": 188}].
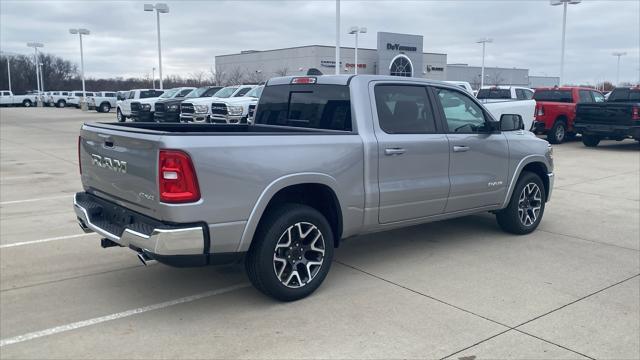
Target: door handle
[
  {"x": 457, "y": 148},
  {"x": 394, "y": 151}
]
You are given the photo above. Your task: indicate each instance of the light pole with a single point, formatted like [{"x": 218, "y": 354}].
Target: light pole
[
  {"x": 619, "y": 55},
  {"x": 337, "y": 37},
  {"x": 354, "y": 31},
  {"x": 81, "y": 32},
  {"x": 35, "y": 46},
  {"x": 8, "y": 56},
  {"x": 564, "y": 3},
  {"x": 41, "y": 77},
  {"x": 159, "y": 8},
  {"x": 153, "y": 77},
  {"x": 484, "y": 42}
]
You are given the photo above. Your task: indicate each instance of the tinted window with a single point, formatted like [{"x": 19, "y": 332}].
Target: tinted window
[
  {"x": 463, "y": 115},
  {"x": 585, "y": 96},
  {"x": 184, "y": 92},
  {"x": 597, "y": 97},
  {"x": 242, "y": 92},
  {"x": 149, "y": 94},
  {"x": 528, "y": 94},
  {"x": 309, "y": 106},
  {"x": 553, "y": 96},
  {"x": 5, "y": 93},
  {"x": 404, "y": 109},
  {"x": 494, "y": 94},
  {"x": 110, "y": 94},
  {"x": 520, "y": 94},
  {"x": 625, "y": 95},
  {"x": 65, "y": 93},
  {"x": 211, "y": 91},
  {"x": 132, "y": 94}
]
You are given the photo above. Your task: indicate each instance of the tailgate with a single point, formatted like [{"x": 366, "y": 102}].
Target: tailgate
[
  {"x": 121, "y": 166},
  {"x": 604, "y": 113}
]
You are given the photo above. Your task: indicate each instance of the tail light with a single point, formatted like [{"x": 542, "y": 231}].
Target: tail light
[
  {"x": 177, "y": 177},
  {"x": 303, "y": 80},
  {"x": 540, "y": 111},
  {"x": 79, "y": 163},
  {"x": 635, "y": 113}
]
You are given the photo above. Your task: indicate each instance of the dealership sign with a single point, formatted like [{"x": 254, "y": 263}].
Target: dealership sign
[
  {"x": 399, "y": 47},
  {"x": 328, "y": 63},
  {"x": 431, "y": 68}
]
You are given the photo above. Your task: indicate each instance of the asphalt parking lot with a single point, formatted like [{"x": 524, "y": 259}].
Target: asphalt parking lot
[{"x": 453, "y": 289}]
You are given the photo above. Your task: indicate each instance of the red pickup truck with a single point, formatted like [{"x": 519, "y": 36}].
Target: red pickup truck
[{"x": 556, "y": 110}]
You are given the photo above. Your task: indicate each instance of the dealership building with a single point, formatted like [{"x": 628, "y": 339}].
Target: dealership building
[{"x": 396, "y": 54}]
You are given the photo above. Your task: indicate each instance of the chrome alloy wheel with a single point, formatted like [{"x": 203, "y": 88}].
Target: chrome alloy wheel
[
  {"x": 560, "y": 133},
  {"x": 298, "y": 255},
  {"x": 529, "y": 204}
]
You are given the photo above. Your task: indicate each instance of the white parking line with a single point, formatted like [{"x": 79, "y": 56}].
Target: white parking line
[
  {"x": 43, "y": 240},
  {"x": 120, "y": 315},
  {"x": 38, "y": 199}
]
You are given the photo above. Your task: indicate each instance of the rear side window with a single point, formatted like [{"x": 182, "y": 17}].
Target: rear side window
[
  {"x": 325, "y": 107},
  {"x": 563, "y": 96},
  {"x": 65, "y": 93},
  {"x": 494, "y": 94},
  {"x": 77, "y": 94},
  {"x": 109, "y": 94},
  {"x": 404, "y": 109},
  {"x": 585, "y": 96},
  {"x": 242, "y": 92},
  {"x": 625, "y": 95}
]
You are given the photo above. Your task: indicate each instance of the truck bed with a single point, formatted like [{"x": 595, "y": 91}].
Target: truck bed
[{"x": 209, "y": 129}]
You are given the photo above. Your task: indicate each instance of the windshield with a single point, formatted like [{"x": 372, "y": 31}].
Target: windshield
[
  {"x": 169, "y": 93},
  {"x": 226, "y": 92},
  {"x": 255, "y": 92},
  {"x": 494, "y": 94},
  {"x": 196, "y": 93},
  {"x": 563, "y": 96}
]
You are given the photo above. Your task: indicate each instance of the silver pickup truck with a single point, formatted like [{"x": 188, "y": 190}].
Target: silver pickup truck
[{"x": 327, "y": 158}]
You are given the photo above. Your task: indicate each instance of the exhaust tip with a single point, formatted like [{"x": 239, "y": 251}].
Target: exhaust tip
[{"x": 145, "y": 259}]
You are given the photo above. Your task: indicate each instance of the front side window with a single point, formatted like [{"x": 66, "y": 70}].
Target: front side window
[
  {"x": 597, "y": 97},
  {"x": 325, "y": 107},
  {"x": 132, "y": 94},
  {"x": 463, "y": 115},
  {"x": 404, "y": 109},
  {"x": 255, "y": 92},
  {"x": 528, "y": 94},
  {"x": 585, "y": 96}
]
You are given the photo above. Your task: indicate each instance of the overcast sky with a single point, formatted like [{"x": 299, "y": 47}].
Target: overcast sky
[{"x": 527, "y": 33}]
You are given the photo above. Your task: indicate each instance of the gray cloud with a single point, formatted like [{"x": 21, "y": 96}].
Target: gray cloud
[{"x": 526, "y": 33}]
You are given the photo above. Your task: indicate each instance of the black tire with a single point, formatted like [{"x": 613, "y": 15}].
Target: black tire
[
  {"x": 120, "y": 116},
  {"x": 590, "y": 140},
  {"x": 261, "y": 263},
  {"x": 519, "y": 217},
  {"x": 61, "y": 103},
  {"x": 26, "y": 103},
  {"x": 105, "y": 107},
  {"x": 558, "y": 132}
]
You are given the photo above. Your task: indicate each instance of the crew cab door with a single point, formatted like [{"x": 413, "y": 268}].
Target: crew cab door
[
  {"x": 478, "y": 168},
  {"x": 413, "y": 153}
]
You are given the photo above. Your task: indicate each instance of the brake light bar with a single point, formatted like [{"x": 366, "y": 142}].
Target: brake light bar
[
  {"x": 635, "y": 113},
  {"x": 177, "y": 177},
  {"x": 303, "y": 80}
]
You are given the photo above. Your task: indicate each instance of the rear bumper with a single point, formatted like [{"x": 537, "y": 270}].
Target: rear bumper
[
  {"x": 182, "y": 245},
  {"x": 608, "y": 130}
]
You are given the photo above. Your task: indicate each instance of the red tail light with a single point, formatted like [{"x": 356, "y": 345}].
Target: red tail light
[
  {"x": 79, "y": 163},
  {"x": 635, "y": 113},
  {"x": 303, "y": 80},
  {"x": 177, "y": 177},
  {"x": 540, "y": 111}
]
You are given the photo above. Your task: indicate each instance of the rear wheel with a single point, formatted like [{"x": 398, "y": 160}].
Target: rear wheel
[
  {"x": 590, "y": 140},
  {"x": 62, "y": 103},
  {"x": 27, "y": 103},
  {"x": 558, "y": 133},
  {"x": 526, "y": 207},
  {"x": 291, "y": 252},
  {"x": 105, "y": 107}
]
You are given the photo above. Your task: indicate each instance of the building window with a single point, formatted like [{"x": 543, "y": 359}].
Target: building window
[{"x": 401, "y": 66}]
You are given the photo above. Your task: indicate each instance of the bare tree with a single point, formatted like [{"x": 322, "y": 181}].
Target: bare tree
[
  {"x": 235, "y": 77},
  {"x": 475, "y": 83},
  {"x": 496, "y": 79},
  {"x": 284, "y": 71},
  {"x": 198, "y": 77},
  {"x": 255, "y": 77}
]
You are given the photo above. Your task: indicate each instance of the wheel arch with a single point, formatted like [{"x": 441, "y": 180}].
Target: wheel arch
[
  {"x": 313, "y": 189},
  {"x": 532, "y": 163}
]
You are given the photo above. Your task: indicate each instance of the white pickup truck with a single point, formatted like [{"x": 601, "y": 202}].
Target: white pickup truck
[
  {"x": 143, "y": 110},
  {"x": 124, "y": 100},
  {"x": 235, "y": 110},
  {"x": 75, "y": 97},
  {"x": 199, "y": 110},
  {"x": 102, "y": 101},
  {"x": 509, "y": 100},
  {"x": 8, "y": 99},
  {"x": 57, "y": 98}
]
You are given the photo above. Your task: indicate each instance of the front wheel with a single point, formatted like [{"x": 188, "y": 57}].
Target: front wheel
[
  {"x": 291, "y": 252},
  {"x": 526, "y": 207},
  {"x": 26, "y": 103},
  {"x": 590, "y": 140},
  {"x": 120, "y": 116},
  {"x": 62, "y": 103}
]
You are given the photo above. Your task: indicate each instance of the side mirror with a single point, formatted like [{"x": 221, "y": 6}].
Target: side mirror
[{"x": 511, "y": 122}]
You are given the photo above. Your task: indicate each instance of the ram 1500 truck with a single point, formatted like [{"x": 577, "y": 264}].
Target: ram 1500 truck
[
  {"x": 142, "y": 110},
  {"x": 556, "y": 110},
  {"x": 102, "y": 101},
  {"x": 168, "y": 110},
  {"x": 328, "y": 158},
  {"x": 8, "y": 99},
  {"x": 618, "y": 118},
  {"x": 58, "y": 98},
  {"x": 199, "y": 110},
  {"x": 75, "y": 97},
  {"x": 234, "y": 110},
  {"x": 124, "y": 100}
]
